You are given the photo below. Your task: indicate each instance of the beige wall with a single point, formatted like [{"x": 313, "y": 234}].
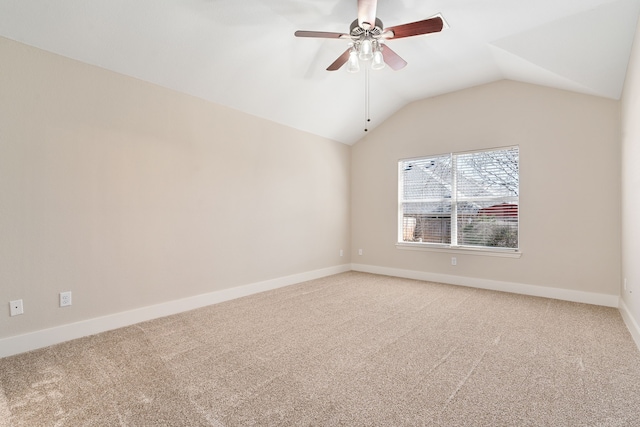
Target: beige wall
[
  {"x": 631, "y": 183},
  {"x": 130, "y": 195},
  {"x": 569, "y": 182}
]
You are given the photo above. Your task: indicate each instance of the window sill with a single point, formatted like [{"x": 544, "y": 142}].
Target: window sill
[{"x": 505, "y": 253}]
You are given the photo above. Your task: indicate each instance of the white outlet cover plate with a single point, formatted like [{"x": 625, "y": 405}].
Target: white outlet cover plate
[{"x": 65, "y": 299}]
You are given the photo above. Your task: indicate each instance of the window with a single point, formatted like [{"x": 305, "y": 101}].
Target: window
[{"x": 460, "y": 200}]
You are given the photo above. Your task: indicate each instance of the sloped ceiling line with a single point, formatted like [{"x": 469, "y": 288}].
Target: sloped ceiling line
[{"x": 243, "y": 54}]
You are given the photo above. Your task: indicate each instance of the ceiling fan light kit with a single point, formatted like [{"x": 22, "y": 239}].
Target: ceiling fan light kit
[
  {"x": 367, "y": 35},
  {"x": 364, "y": 51}
]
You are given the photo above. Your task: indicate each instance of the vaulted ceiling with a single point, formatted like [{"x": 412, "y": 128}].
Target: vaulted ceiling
[{"x": 243, "y": 54}]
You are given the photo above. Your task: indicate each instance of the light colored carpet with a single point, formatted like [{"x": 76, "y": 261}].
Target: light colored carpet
[{"x": 353, "y": 349}]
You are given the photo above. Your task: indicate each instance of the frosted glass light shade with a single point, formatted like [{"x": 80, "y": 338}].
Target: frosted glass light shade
[
  {"x": 366, "y": 50},
  {"x": 353, "y": 65},
  {"x": 378, "y": 61}
]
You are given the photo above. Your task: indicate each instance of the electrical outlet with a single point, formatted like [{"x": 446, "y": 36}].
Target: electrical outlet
[
  {"x": 454, "y": 260},
  {"x": 341, "y": 252},
  {"x": 359, "y": 251},
  {"x": 65, "y": 299},
  {"x": 16, "y": 307}
]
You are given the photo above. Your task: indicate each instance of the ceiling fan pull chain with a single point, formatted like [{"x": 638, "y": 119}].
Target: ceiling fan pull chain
[{"x": 367, "y": 118}]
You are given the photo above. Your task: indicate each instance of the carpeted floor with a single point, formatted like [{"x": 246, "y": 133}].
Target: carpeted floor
[{"x": 353, "y": 349}]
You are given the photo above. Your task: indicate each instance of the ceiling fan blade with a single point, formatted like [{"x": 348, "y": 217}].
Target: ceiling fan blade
[
  {"x": 342, "y": 59},
  {"x": 320, "y": 34},
  {"x": 367, "y": 13},
  {"x": 431, "y": 25},
  {"x": 392, "y": 59}
]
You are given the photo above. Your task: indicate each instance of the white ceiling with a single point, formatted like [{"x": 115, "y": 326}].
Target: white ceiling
[{"x": 243, "y": 54}]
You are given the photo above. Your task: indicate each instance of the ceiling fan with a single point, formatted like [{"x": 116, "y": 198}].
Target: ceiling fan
[{"x": 367, "y": 35}]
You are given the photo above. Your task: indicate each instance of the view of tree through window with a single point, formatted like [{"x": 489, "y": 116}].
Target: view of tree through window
[{"x": 461, "y": 199}]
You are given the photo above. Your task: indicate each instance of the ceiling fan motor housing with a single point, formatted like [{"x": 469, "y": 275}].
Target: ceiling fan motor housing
[{"x": 358, "y": 33}]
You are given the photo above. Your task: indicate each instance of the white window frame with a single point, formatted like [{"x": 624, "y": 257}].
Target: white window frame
[{"x": 453, "y": 247}]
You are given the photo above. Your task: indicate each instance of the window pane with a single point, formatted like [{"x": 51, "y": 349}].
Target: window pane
[
  {"x": 426, "y": 222},
  {"x": 487, "y": 174},
  {"x": 428, "y": 178},
  {"x": 488, "y": 224}
]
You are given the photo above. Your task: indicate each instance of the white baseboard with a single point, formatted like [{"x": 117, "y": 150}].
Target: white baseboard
[
  {"x": 494, "y": 285},
  {"x": 46, "y": 337},
  {"x": 631, "y": 323}
]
